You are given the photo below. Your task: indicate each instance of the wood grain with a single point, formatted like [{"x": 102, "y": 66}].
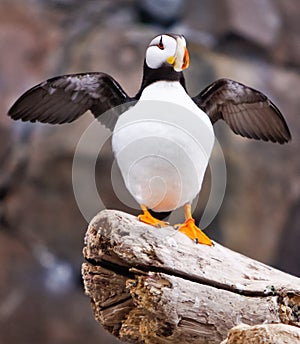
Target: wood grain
[{"x": 151, "y": 285}]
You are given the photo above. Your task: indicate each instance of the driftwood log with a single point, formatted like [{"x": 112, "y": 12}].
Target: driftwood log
[
  {"x": 263, "y": 334},
  {"x": 150, "y": 285}
]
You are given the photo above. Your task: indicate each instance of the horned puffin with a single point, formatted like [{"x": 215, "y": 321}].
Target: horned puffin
[{"x": 163, "y": 142}]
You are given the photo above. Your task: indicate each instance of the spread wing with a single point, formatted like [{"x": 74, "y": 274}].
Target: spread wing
[
  {"x": 65, "y": 98},
  {"x": 247, "y": 111}
]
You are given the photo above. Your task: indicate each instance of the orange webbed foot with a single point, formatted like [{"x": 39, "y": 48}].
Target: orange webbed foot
[
  {"x": 195, "y": 233},
  {"x": 191, "y": 230},
  {"x": 146, "y": 217}
]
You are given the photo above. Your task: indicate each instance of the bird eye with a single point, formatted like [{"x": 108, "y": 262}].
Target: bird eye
[{"x": 160, "y": 44}]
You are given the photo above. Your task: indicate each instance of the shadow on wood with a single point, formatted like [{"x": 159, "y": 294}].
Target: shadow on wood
[{"x": 151, "y": 285}]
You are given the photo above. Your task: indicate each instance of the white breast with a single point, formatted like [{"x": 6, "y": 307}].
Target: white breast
[{"x": 162, "y": 146}]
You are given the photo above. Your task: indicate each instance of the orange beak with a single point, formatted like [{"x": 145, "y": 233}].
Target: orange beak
[
  {"x": 180, "y": 60},
  {"x": 186, "y": 59}
]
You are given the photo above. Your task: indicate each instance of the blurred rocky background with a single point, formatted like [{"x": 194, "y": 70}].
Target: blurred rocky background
[{"x": 256, "y": 42}]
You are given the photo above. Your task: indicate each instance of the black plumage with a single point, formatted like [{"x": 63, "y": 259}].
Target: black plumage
[
  {"x": 63, "y": 99},
  {"x": 247, "y": 111}
]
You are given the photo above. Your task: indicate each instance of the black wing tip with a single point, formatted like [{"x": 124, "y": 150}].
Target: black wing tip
[
  {"x": 15, "y": 115},
  {"x": 25, "y": 117},
  {"x": 37, "y": 120},
  {"x": 280, "y": 139},
  {"x": 286, "y": 134},
  {"x": 287, "y": 137}
]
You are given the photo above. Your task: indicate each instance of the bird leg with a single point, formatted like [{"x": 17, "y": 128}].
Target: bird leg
[
  {"x": 146, "y": 217},
  {"x": 191, "y": 230}
]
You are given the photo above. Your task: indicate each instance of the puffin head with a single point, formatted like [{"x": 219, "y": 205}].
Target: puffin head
[
  {"x": 167, "y": 51},
  {"x": 166, "y": 58}
]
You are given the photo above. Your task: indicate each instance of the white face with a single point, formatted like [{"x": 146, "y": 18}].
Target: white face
[{"x": 159, "y": 49}]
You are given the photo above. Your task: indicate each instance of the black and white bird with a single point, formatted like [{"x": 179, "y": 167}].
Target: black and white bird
[{"x": 164, "y": 153}]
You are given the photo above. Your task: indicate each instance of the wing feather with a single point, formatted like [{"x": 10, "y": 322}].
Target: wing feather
[
  {"x": 247, "y": 111},
  {"x": 65, "y": 98}
]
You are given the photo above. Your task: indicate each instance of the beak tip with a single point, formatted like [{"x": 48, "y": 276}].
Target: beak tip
[
  {"x": 186, "y": 59},
  {"x": 181, "y": 59}
]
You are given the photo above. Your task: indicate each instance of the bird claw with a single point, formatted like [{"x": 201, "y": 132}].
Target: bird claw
[
  {"x": 146, "y": 217},
  {"x": 193, "y": 232}
]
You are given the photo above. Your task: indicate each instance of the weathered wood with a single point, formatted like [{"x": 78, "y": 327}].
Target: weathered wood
[
  {"x": 263, "y": 334},
  {"x": 152, "y": 285}
]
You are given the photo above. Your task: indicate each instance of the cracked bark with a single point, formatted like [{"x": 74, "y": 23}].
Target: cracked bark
[{"x": 150, "y": 285}]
